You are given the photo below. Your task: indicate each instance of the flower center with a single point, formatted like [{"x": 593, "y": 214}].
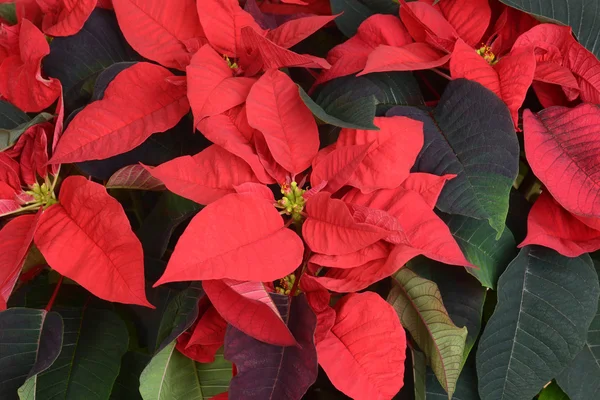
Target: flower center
[
  {"x": 286, "y": 284},
  {"x": 292, "y": 203},
  {"x": 232, "y": 65},
  {"x": 42, "y": 194},
  {"x": 488, "y": 55}
]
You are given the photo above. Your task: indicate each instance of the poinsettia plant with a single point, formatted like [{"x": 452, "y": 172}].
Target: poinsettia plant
[{"x": 298, "y": 199}]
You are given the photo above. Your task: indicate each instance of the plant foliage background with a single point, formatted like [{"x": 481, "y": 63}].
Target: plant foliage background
[{"x": 299, "y": 199}]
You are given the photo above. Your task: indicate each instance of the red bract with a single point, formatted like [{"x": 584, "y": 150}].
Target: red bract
[
  {"x": 206, "y": 337},
  {"x": 108, "y": 260},
  {"x": 23, "y": 70},
  {"x": 65, "y": 17},
  {"x": 154, "y": 101},
  {"x": 363, "y": 354}
]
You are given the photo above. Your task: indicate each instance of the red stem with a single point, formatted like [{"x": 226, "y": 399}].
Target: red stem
[
  {"x": 51, "y": 302},
  {"x": 440, "y": 73},
  {"x": 428, "y": 84}
]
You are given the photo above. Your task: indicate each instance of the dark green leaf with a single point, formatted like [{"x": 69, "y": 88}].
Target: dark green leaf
[
  {"x": 126, "y": 386},
  {"x": 419, "y": 305},
  {"x": 356, "y": 100},
  {"x": 89, "y": 362},
  {"x": 8, "y": 137},
  {"x": 77, "y": 60},
  {"x": 462, "y": 295},
  {"x": 8, "y": 12},
  {"x": 355, "y": 12},
  {"x": 581, "y": 379},
  {"x": 554, "y": 392},
  {"x": 156, "y": 230},
  {"x": 581, "y": 15},
  {"x": 470, "y": 134},
  {"x": 172, "y": 376},
  {"x": 546, "y": 303},
  {"x": 11, "y": 118},
  {"x": 477, "y": 240},
  {"x": 367, "y": 105},
  {"x": 30, "y": 341},
  {"x": 107, "y": 76},
  {"x": 180, "y": 314},
  {"x": 518, "y": 211}
]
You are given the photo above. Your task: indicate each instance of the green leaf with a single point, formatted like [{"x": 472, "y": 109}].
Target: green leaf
[
  {"x": 8, "y": 137},
  {"x": 546, "y": 303},
  {"x": 462, "y": 295},
  {"x": 8, "y": 12},
  {"x": 180, "y": 314},
  {"x": 172, "y": 376},
  {"x": 419, "y": 305},
  {"x": 477, "y": 240},
  {"x": 352, "y": 101},
  {"x": 466, "y": 386},
  {"x": 581, "y": 379},
  {"x": 10, "y": 118},
  {"x": 419, "y": 365},
  {"x": 156, "y": 230},
  {"x": 355, "y": 12},
  {"x": 581, "y": 15},
  {"x": 366, "y": 105},
  {"x": 30, "y": 341},
  {"x": 554, "y": 392},
  {"x": 89, "y": 362},
  {"x": 471, "y": 134},
  {"x": 126, "y": 386}
]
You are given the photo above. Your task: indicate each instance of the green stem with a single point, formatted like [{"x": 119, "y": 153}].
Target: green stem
[{"x": 23, "y": 209}]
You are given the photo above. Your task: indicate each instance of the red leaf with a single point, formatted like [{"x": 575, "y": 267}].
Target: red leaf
[
  {"x": 550, "y": 225},
  {"x": 15, "y": 238},
  {"x": 556, "y": 43},
  {"x": 364, "y": 354},
  {"x": 206, "y": 338},
  {"x": 420, "y": 227},
  {"x": 262, "y": 54},
  {"x": 318, "y": 299},
  {"x": 551, "y": 72},
  {"x": 223, "y": 21},
  {"x": 413, "y": 56},
  {"x": 7, "y": 205},
  {"x": 511, "y": 24},
  {"x": 470, "y": 18},
  {"x": 509, "y": 79},
  {"x": 276, "y": 109},
  {"x": 65, "y": 17},
  {"x": 427, "y": 185},
  {"x": 249, "y": 307},
  {"x": 338, "y": 166},
  {"x": 561, "y": 146},
  {"x": 257, "y": 189},
  {"x": 393, "y": 151},
  {"x": 240, "y": 237},
  {"x": 212, "y": 87},
  {"x": 330, "y": 229},
  {"x": 293, "y": 32},
  {"x": 361, "y": 277},
  {"x": 221, "y": 396},
  {"x": 137, "y": 103},
  {"x": 33, "y": 149},
  {"x": 424, "y": 22},
  {"x": 87, "y": 238},
  {"x": 24, "y": 71},
  {"x": 228, "y": 130},
  {"x": 205, "y": 177},
  {"x": 134, "y": 177},
  {"x": 166, "y": 31},
  {"x": 376, "y": 251},
  {"x": 276, "y": 171},
  {"x": 351, "y": 56},
  {"x": 9, "y": 172}
]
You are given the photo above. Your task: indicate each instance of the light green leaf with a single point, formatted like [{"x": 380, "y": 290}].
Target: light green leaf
[
  {"x": 172, "y": 376},
  {"x": 553, "y": 392},
  {"x": 8, "y": 12},
  {"x": 419, "y": 364},
  {"x": 546, "y": 303},
  {"x": 581, "y": 15},
  {"x": 477, "y": 240},
  {"x": 94, "y": 342},
  {"x": 419, "y": 305}
]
